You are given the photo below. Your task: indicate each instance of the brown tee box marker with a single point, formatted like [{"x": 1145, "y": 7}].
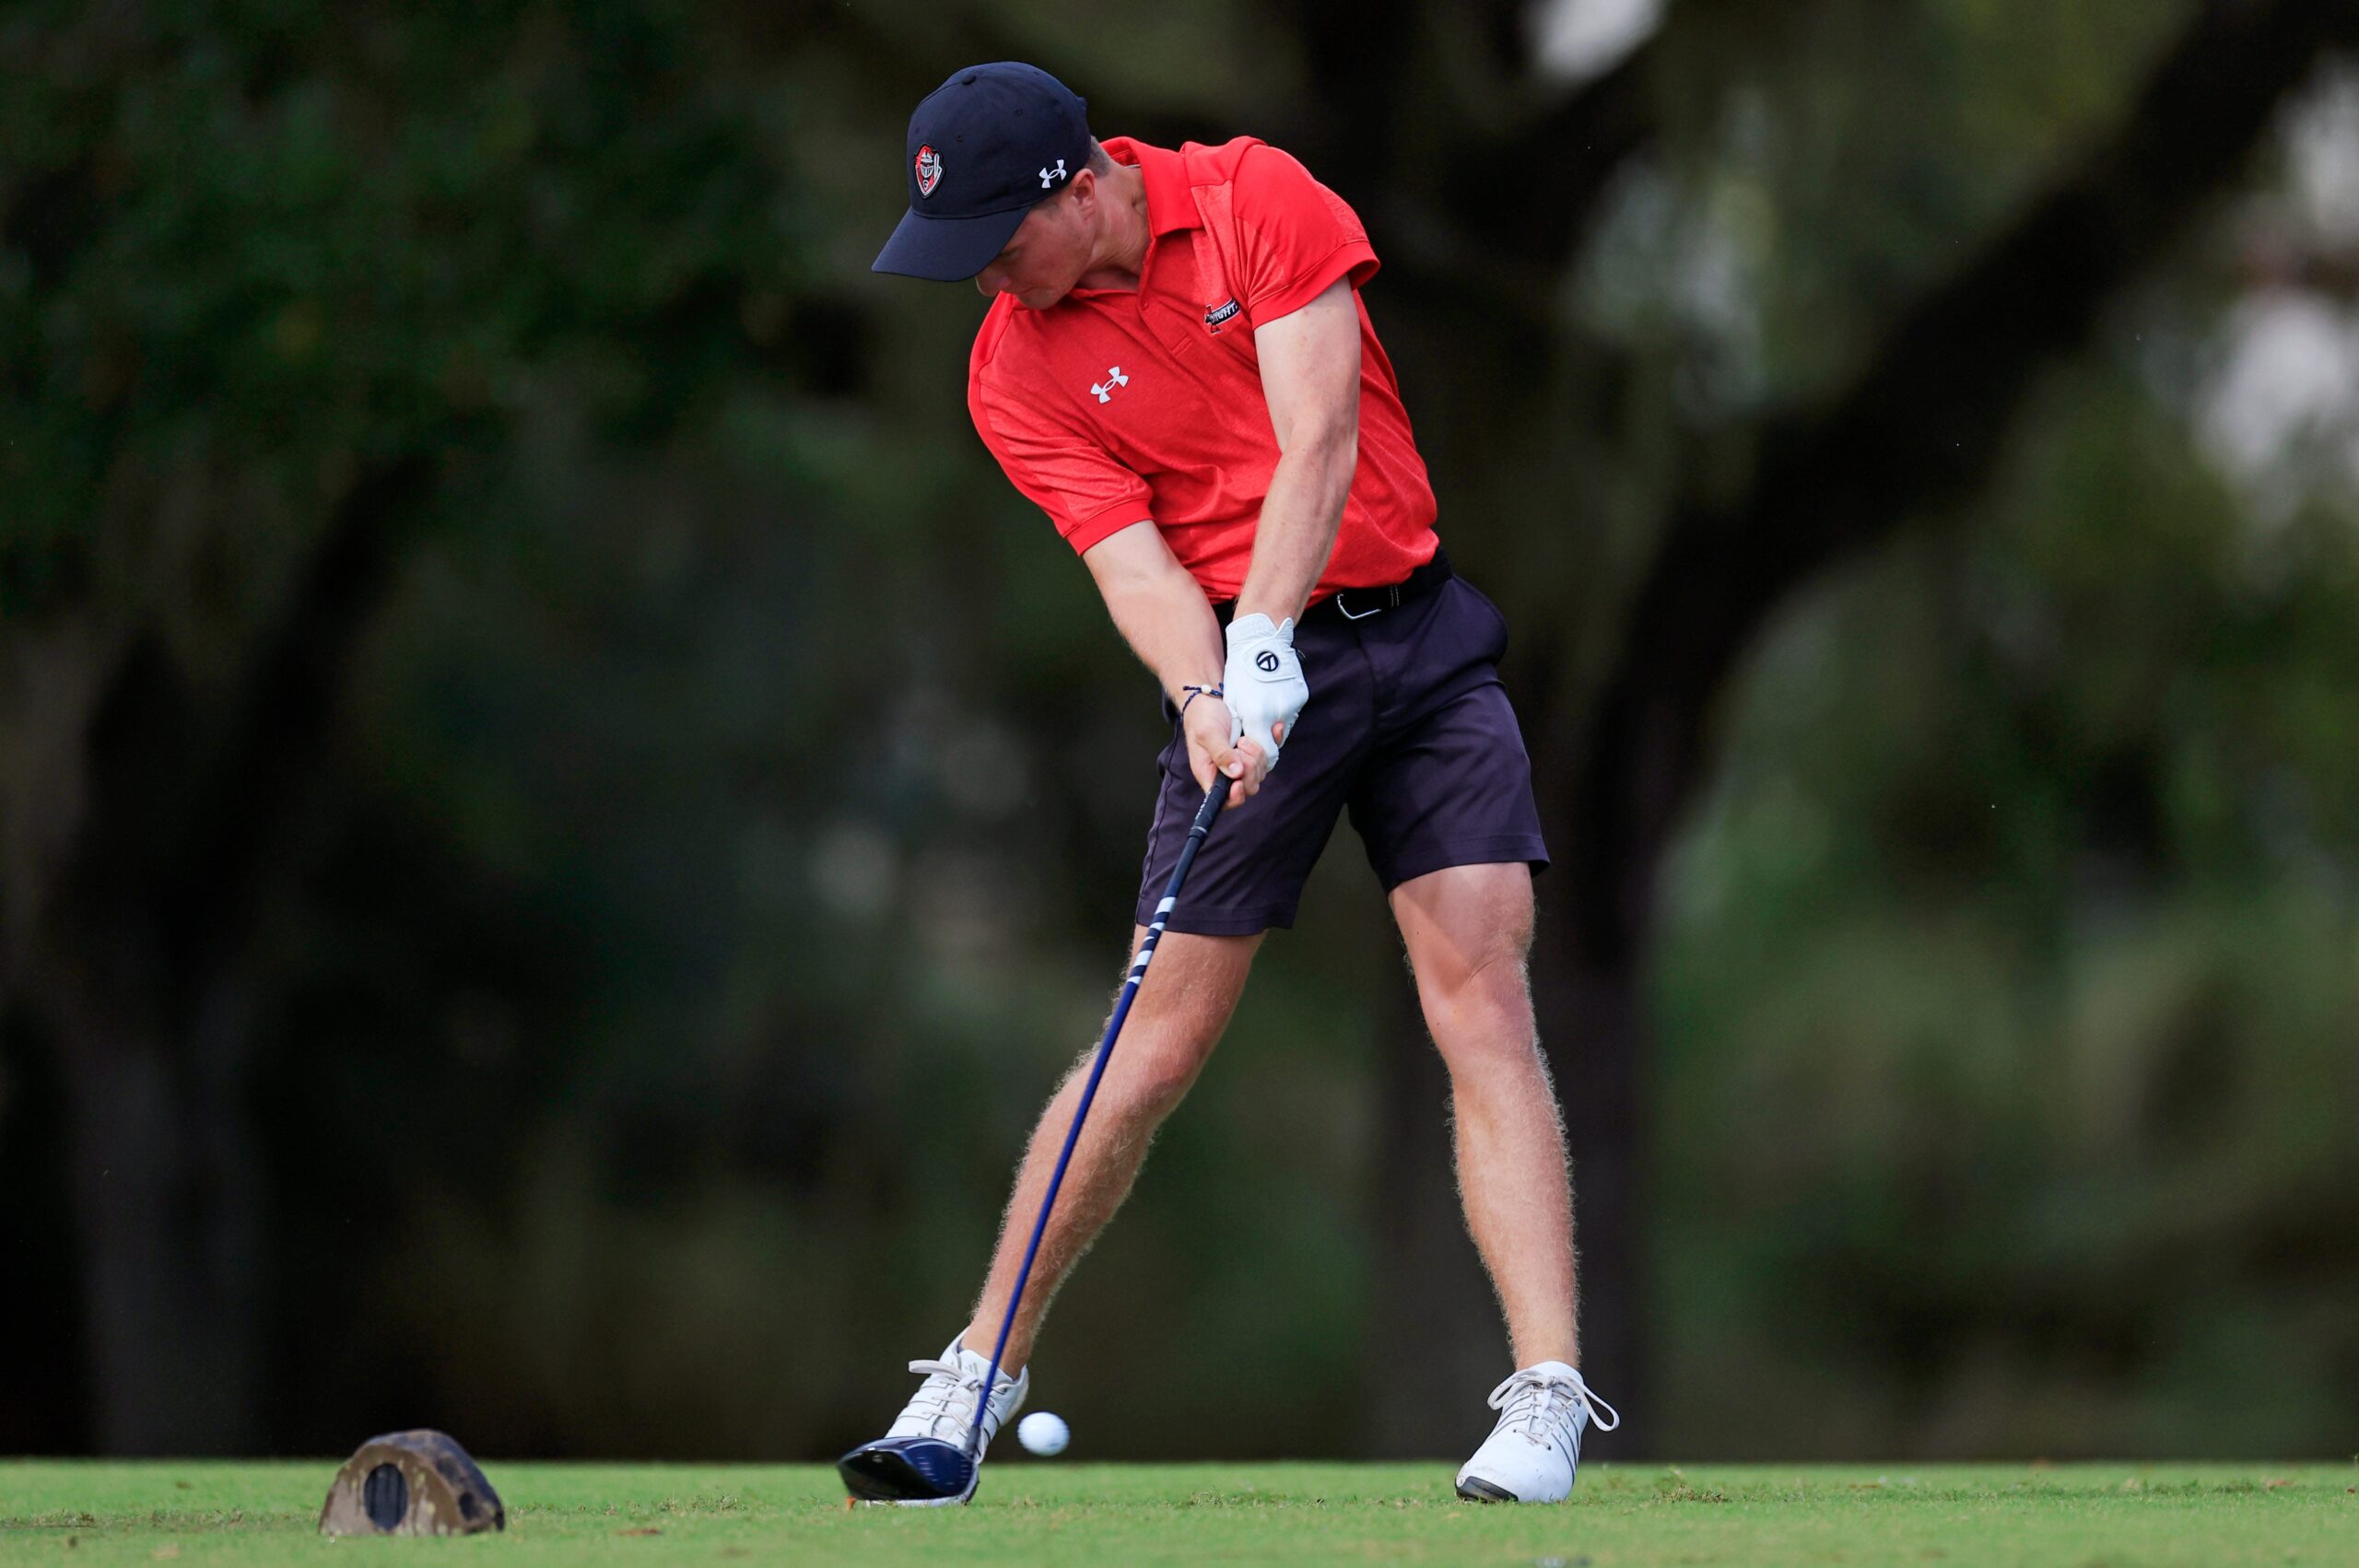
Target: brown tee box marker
[{"x": 411, "y": 1483}]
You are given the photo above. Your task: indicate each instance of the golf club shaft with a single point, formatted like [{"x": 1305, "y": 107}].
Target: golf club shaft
[{"x": 1214, "y": 798}]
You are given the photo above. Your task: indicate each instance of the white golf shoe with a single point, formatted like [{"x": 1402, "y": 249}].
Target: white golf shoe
[
  {"x": 1531, "y": 1455},
  {"x": 921, "y": 1459},
  {"x": 943, "y": 1405}
]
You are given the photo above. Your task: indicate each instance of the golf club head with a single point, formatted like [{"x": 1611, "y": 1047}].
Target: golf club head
[{"x": 919, "y": 1470}]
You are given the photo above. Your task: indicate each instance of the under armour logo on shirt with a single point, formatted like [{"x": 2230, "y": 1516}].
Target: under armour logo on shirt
[
  {"x": 1114, "y": 377},
  {"x": 1049, "y": 176}
]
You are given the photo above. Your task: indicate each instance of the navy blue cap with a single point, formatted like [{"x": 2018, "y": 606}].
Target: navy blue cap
[{"x": 984, "y": 147}]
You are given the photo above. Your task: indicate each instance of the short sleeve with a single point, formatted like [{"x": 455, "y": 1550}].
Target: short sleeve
[
  {"x": 1295, "y": 236},
  {"x": 1066, "y": 474}
]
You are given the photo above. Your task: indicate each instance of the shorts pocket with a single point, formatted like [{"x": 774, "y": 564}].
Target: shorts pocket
[{"x": 1499, "y": 646}]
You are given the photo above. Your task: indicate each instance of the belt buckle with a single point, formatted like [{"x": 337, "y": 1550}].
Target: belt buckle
[{"x": 1391, "y": 602}]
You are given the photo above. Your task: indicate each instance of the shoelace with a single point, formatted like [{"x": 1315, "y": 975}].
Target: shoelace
[
  {"x": 1530, "y": 1403},
  {"x": 949, "y": 1395}
]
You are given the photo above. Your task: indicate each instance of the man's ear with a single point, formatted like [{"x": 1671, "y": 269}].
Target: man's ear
[{"x": 1083, "y": 189}]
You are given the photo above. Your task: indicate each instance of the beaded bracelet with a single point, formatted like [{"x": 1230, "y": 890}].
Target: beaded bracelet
[{"x": 1194, "y": 693}]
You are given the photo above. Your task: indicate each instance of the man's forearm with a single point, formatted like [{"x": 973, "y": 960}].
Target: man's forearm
[
  {"x": 1170, "y": 626},
  {"x": 1296, "y": 534}
]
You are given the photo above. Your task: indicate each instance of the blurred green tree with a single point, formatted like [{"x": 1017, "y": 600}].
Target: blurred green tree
[{"x": 555, "y": 817}]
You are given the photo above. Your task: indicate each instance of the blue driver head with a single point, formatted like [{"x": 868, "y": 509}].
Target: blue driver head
[{"x": 908, "y": 1469}]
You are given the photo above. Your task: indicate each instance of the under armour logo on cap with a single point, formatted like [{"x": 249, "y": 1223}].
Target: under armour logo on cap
[{"x": 1048, "y": 177}]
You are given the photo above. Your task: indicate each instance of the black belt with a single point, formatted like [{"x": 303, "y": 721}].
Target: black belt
[{"x": 1360, "y": 604}]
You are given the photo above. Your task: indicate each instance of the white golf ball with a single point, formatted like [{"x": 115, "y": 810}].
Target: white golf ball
[{"x": 1044, "y": 1433}]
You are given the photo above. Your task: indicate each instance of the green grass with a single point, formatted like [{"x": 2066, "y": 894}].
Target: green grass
[{"x": 1762, "y": 1516}]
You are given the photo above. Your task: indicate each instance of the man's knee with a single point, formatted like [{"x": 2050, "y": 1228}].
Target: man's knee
[
  {"x": 1154, "y": 1081},
  {"x": 1482, "y": 1013},
  {"x": 1470, "y": 934},
  {"x": 1183, "y": 1008},
  {"x": 1479, "y": 968},
  {"x": 1487, "y": 972}
]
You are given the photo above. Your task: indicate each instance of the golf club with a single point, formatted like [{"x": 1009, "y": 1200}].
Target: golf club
[{"x": 909, "y": 1470}]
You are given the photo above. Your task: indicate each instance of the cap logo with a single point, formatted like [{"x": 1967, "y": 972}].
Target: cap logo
[
  {"x": 1050, "y": 176},
  {"x": 929, "y": 170}
]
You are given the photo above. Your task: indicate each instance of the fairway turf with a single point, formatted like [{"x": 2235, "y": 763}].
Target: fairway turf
[{"x": 1622, "y": 1517}]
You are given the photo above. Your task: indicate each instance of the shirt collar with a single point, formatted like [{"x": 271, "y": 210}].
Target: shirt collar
[{"x": 1171, "y": 203}]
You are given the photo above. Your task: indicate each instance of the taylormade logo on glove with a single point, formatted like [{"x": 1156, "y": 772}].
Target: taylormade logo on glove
[{"x": 1262, "y": 683}]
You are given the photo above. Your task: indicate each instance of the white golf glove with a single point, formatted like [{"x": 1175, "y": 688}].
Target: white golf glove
[{"x": 1262, "y": 683}]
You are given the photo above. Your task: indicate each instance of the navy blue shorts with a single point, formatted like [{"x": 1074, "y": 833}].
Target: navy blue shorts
[{"x": 1408, "y": 726}]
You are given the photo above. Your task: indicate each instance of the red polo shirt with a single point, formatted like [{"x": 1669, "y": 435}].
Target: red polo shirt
[{"x": 1116, "y": 406}]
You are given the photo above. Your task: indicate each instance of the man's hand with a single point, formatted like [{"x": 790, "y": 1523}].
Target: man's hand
[
  {"x": 1212, "y": 749},
  {"x": 1264, "y": 682}
]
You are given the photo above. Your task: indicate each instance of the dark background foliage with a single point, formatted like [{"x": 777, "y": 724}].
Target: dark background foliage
[{"x": 558, "y": 818}]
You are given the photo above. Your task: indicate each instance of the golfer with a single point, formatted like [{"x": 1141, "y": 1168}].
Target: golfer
[{"x": 1176, "y": 369}]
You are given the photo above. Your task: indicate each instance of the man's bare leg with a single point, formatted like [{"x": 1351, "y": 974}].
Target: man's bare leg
[
  {"x": 1468, "y": 929},
  {"x": 1183, "y": 1005}
]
